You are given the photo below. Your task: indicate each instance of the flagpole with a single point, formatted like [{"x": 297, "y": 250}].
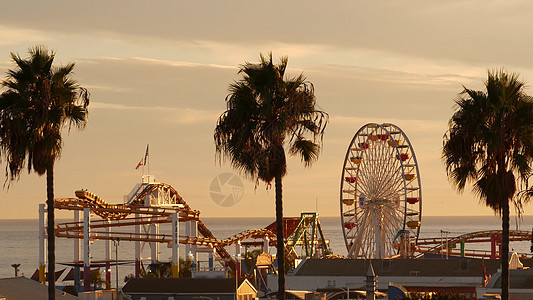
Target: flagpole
[{"x": 145, "y": 161}]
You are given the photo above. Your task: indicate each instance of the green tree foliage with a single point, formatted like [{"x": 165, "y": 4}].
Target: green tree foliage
[
  {"x": 250, "y": 258},
  {"x": 185, "y": 268},
  {"x": 489, "y": 143},
  {"x": 96, "y": 280},
  {"x": 164, "y": 270}
]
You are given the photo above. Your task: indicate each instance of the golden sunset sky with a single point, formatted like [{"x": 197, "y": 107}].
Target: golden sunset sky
[{"x": 158, "y": 73}]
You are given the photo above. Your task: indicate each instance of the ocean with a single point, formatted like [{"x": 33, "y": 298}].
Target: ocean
[{"x": 19, "y": 239}]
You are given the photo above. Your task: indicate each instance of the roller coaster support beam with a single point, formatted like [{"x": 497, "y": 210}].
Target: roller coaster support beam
[
  {"x": 191, "y": 230},
  {"x": 238, "y": 259},
  {"x": 77, "y": 254},
  {"x": 266, "y": 245},
  {"x": 86, "y": 250},
  {"x": 42, "y": 268},
  {"x": 153, "y": 230},
  {"x": 175, "y": 245},
  {"x": 495, "y": 241},
  {"x": 211, "y": 262},
  {"x": 137, "y": 249},
  {"x": 108, "y": 255}
]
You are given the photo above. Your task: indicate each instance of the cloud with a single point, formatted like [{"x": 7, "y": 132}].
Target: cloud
[
  {"x": 431, "y": 75},
  {"x": 413, "y": 125},
  {"x": 13, "y": 36},
  {"x": 175, "y": 115},
  {"x": 474, "y": 32},
  {"x": 179, "y": 63}
]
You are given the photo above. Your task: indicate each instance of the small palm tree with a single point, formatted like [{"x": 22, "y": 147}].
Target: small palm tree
[
  {"x": 490, "y": 143},
  {"x": 267, "y": 112},
  {"x": 39, "y": 101}
]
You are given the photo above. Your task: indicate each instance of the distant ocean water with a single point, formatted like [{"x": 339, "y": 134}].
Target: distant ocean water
[{"x": 18, "y": 238}]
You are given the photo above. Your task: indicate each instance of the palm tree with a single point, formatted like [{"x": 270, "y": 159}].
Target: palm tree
[
  {"x": 39, "y": 102},
  {"x": 489, "y": 143},
  {"x": 265, "y": 113}
]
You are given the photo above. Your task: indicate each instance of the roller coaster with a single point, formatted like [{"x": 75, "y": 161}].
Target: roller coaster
[
  {"x": 448, "y": 246},
  {"x": 152, "y": 203}
]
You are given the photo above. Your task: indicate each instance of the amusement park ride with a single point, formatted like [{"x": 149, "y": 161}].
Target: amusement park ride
[
  {"x": 381, "y": 194},
  {"x": 380, "y": 202},
  {"x": 152, "y": 203}
]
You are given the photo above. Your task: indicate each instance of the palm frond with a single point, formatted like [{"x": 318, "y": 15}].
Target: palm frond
[
  {"x": 489, "y": 142},
  {"x": 265, "y": 111},
  {"x": 40, "y": 99}
]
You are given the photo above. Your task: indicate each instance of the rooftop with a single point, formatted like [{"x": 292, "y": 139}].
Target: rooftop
[
  {"x": 464, "y": 267},
  {"x": 22, "y": 288}
]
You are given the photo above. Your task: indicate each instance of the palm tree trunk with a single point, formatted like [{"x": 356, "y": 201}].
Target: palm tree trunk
[
  {"x": 50, "y": 232},
  {"x": 279, "y": 238},
  {"x": 505, "y": 250}
]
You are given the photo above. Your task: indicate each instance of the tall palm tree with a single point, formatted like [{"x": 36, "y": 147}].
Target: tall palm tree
[
  {"x": 39, "y": 101},
  {"x": 267, "y": 112},
  {"x": 489, "y": 143}
]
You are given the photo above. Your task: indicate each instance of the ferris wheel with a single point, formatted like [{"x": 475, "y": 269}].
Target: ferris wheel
[{"x": 380, "y": 195}]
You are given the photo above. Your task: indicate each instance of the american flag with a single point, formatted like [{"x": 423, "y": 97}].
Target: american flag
[{"x": 144, "y": 160}]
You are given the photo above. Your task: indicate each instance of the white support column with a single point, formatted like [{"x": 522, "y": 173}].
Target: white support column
[
  {"x": 175, "y": 245},
  {"x": 42, "y": 263},
  {"x": 86, "y": 248},
  {"x": 188, "y": 234},
  {"x": 154, "y": 246},
  {"x": 108, "y": 253},
  {"x": 266, "y": 245},
  {"x": 194, "y": 232},
  {"x": 238, "y": 259},
  {"x": 137, "y": 248},
  {"x": 77, "y": 253}
]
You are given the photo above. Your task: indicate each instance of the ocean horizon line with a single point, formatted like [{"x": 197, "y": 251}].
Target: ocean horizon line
[{"x": 267, "y": 217}]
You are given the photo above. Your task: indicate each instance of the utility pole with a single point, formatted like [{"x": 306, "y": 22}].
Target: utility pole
[
  {"x": 16, "y": 266},
  {"x": 116, "y": 242}
]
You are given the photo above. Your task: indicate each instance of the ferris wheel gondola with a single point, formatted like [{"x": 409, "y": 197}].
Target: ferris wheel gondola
[{"x": 380, "y": 195}]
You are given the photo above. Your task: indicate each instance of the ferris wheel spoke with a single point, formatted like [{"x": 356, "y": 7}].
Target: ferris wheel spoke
[
  {"x": 369, "y": 244},
  {"x": 393, "y": 214},
  {"x": 393, "y": 223},
  {"x": 356, "y": 242},
  {"x": 397, "y": 184},
  {"x": 391, "y": 220},
  {"x": 377, "y": 233},
  {"x": 382, "y": 164},
  {"x": 387, "y": 166},
  {"x": 389, "y": 172},
  {"x": 391, "y": 185}
]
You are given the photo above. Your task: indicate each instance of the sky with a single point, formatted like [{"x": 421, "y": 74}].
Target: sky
[{"x": 158, "y": 73}]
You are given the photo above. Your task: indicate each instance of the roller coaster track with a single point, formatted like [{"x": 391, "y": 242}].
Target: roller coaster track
[
  {"x": 136, "y": 213},
  {"x": 436, "y": 245}
]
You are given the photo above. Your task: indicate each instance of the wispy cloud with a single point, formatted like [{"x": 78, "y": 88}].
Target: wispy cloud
[
  {"x": 411, "y": 124},
  {"x": 175, "y": 115},
  {"x": 180, "y": 63},
  {"x": 13, "y": 36},
  {"x": 408, "y": 70}
]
